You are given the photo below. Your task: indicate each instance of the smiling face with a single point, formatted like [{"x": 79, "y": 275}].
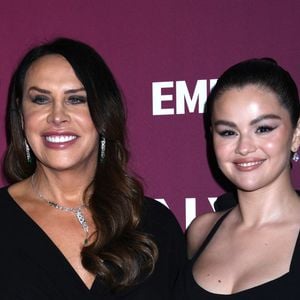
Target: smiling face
[
  {"x": 253, "y": 137},
  {"x": 57, "y": 121}
]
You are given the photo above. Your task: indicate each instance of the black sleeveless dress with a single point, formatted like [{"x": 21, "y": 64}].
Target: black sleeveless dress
[{"x": 285, "y": 287}]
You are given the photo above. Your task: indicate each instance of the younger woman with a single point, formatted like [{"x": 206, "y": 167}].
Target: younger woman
[{"x": 253, "y": 250}]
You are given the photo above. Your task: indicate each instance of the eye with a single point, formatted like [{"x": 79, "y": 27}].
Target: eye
[
  {"x": 40, "y": 99},
  {"x": 264, "y": 129},
  {"x": 227, "y": 133},
  {"x": 76, "y": 99}
]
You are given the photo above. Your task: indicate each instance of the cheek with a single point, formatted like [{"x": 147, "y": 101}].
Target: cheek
[
  {"x": 28, "y": 121},
  {"x": 271, "y": 146},
  {"x": 279, "y": 143},
  {"x": 279, "y": 151},
  {"x": 85, "y": 121},
  {"x": 222, "y": 148},
  {"x": 31, "y": 117}
]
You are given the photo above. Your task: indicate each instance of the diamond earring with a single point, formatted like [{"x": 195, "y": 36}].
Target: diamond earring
[
  {"x": 27, "y": 151},
  {"x": 102, "y": 147},
  {"x": 295, "y": 157}
]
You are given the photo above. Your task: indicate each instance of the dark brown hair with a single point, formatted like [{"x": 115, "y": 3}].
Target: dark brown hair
[
  {"x": 262, "y": 72},
  {"x": 120, "y": 254}
]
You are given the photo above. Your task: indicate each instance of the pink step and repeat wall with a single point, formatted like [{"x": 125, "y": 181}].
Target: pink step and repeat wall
[{"x": 166, "y": 55}]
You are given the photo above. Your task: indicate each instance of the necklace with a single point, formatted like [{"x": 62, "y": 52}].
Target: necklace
[{"x": 77, "y": 211}]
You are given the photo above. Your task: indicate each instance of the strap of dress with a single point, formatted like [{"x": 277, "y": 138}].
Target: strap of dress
[
  {"x": 296, "y": 256},
  {"x": 210, "y": 235}
]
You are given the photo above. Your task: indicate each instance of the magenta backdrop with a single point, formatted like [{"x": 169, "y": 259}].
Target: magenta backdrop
[{"x": 159, "y": 41}]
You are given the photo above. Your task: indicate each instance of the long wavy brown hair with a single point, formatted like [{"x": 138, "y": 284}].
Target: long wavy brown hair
[{"x": 120, "y": 254}]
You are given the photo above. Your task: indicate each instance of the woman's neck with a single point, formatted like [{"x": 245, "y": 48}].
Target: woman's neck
[
  {"x": 65, "y": 188},
  {"x": 269, "y": 204}
]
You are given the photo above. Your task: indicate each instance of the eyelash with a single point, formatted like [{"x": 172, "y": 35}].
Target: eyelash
[
  {"x": 40, "y": 99},
  {"x": 77, "y": 99},
  {"x": 226, "y": 133},
  {"x": 264, "y": 129},
  {"x": 260, "y": 130}
]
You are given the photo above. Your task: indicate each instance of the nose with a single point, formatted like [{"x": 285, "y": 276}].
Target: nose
[
  {"x": 245, "y": 145},
  {"x": 58, "y": 114}
]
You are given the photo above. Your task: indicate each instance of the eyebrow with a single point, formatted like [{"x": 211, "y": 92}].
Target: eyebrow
[
  {"x": 264, "y": 117},
  {"x": 48, "y": 92},
  {"x": 253, "y": 122},
  {"x": 74, "y": 90},
  {"x": 34, "y": 88}
]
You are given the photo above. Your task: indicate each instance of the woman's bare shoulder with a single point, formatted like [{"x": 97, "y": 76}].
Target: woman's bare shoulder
[
  {"x": 199, "y": 229},
  {"x": 20, "y": 191},
  {"x": 18, "y": 187}
]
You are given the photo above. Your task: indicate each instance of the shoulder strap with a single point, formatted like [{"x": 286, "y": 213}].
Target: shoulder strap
[
  {"x": 295, "y": 262},
  {"x": 210, "y": 235}
]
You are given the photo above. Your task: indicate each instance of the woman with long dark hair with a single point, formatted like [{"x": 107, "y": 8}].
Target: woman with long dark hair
[{"x": 75, "y": 222}]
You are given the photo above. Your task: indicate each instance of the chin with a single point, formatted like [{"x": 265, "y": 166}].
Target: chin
[{"x": 248, "y": 186}]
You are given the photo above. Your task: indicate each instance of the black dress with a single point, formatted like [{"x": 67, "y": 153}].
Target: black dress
[
  {"x": 285, "y": 287},
  {"x": 32, "y": 267}
]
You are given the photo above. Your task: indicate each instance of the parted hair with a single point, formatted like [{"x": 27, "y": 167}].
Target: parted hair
[{"x": 120, "y": 253}]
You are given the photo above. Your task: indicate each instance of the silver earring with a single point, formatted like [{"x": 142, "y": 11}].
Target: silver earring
[
  {"x": 295, "y": 157},
  {"x": 102, "y": 147},
  {"x": 27, "y": 151}
]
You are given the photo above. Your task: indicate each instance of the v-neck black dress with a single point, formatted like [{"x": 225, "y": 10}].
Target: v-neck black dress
[
  {"x": 285, "y": 287},
  {"x": 32, "y": 267}
]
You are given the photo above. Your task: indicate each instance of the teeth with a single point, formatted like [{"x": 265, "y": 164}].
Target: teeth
[
  {"x": 60, "y": 138},
  {"x": 250, "y": 164}
]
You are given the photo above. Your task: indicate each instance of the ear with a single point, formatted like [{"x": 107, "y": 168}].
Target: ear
[{"x": 296, "y": 138}]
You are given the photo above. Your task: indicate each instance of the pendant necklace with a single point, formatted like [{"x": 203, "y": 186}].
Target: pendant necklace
[{"x": 77, "y": 211}]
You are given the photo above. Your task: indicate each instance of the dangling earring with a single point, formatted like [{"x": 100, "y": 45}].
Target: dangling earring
[
  {"x": 102, "y": 147},
  {"x": 295, "y": 157},
  {"x": 27, "y": 151}
]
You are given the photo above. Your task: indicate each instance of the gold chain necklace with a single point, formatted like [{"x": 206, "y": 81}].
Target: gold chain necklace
[{"x": 77, "y": 211}]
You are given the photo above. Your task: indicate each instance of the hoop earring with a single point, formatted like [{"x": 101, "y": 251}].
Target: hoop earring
[
  {"x": 27, "y": 152},
  {"x": 296, "y": 157},
  {"x": 102, "y": 147}
]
